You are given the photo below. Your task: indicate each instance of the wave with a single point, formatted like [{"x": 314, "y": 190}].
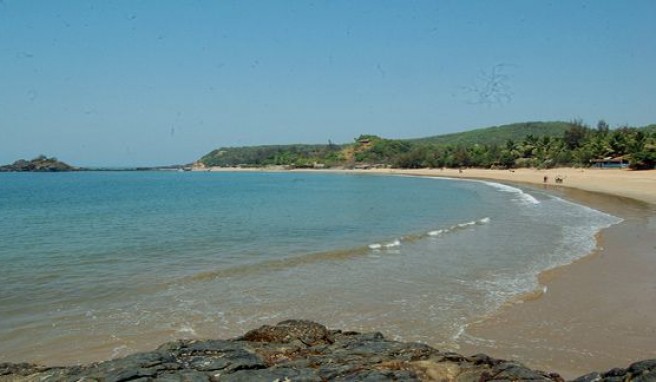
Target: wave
[
  {"x": 580, "y": 226},
  {"x": 309, "y": 258},
  {"x": 434, "y": 233},
  {"x": 459, "y": 226},
  {"x": 377, "y": 246},
  {"x": 521, "y": 196},
  {"x": 273, "y": 265}
]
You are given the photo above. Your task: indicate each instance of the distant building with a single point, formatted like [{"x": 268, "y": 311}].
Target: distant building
[{"x": 609, "y": 162}]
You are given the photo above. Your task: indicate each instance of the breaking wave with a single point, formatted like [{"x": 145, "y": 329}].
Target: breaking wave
[
  {"x": 438, "y": 232},
  {"x": 520, "y": 195}
]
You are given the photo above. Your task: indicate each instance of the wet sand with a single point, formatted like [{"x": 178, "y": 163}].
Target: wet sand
[{"x": 597, "y": 313}]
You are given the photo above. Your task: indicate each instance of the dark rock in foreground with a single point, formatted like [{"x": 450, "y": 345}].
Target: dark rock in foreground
[{"x": 305, "y": 351}]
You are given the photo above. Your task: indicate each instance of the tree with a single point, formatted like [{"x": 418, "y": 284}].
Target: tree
[
  {"x": 643, "y": 160},
  {"x": 602, "y": 128},
  {"x": 575, "y": 135}
]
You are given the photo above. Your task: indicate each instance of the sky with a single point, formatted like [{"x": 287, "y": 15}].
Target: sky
[{"x": 142, "y": 83}]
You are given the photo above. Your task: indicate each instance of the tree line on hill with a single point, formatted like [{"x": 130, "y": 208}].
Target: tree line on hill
[{"x": 534, "y": 144}]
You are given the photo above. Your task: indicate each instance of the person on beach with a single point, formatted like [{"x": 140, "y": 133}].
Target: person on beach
[{"x": 546, "y": 178}]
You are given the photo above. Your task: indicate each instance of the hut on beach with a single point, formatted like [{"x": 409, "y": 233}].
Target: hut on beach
[{"x": 610, "y": 162}]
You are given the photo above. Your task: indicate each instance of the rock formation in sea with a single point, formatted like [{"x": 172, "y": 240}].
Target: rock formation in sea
[
  {"x": 297, "y": 350},
  {"x": 39, "y": 164}
]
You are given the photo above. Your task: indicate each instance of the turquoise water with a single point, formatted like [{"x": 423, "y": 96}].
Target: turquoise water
[{"x": 98, "y": 265}]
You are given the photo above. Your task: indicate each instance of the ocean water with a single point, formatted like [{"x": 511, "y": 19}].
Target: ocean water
[{"x": 97, "y": 265}]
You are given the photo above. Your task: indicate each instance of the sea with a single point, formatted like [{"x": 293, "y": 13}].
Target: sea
[{"x": 98, "y": 265}]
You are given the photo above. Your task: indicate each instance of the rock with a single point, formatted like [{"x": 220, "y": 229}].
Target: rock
[
  {"x": 39, "y": 164},
  {"x": 297, "y": 350},
  {"x": 642, "y": 367},
  {"x": 648, "y": 377},
  {"x": 436, "y": 371},
  {"x": 308, "y": 332},
  {"x": 269, "y": 375},
  {"x": 592, "y": 377}
]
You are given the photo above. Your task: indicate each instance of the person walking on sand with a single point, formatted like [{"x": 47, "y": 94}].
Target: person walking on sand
[{"x": 546, "y": 178}]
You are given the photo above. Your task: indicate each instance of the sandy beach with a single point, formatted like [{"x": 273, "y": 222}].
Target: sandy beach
[
  {"x": 638, "y": 185},
  {"x": 597, "y": 313}
]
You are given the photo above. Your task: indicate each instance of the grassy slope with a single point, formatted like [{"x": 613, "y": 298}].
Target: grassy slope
[{"x": 498, "y": 135}]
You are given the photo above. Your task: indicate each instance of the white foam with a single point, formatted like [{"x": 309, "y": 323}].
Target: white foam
[
  {"x": 186, "y": 329},
  {"x": 522, "y": 196},
  {"x": 394, "y": 244},
  {"x": 390, "y": 245},
  {"x": 459, "y": 332},
  {"x": 91, "y": 315},
  {"x": 439, "y": 232},
  {"x": 119, "y": 351}
]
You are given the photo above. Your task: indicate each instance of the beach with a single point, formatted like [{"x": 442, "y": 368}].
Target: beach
[
  {"x": 597, "y": 313},
  {"x": 594, "y": 314}
]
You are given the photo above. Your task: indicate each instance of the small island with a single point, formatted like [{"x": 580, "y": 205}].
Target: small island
[{"x": 39, "y": 164}]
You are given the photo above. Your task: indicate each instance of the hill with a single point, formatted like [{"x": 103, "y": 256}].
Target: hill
[
  {"x": 279, "y": 155},
  {"x": 372, "y": 149},
  {"x": 527, "y": 144},
  {"x": 498, "y": 135}
]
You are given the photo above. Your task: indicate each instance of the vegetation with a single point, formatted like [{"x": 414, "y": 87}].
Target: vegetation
[
  {"x": 38, "y": 164},
  {"x": 284, "y": 155},
  {"x": 531, "y": 144},
  {"x": 498, "y": 135}
]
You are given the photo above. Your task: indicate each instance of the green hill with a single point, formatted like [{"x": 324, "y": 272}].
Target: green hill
[
  {"x": 301, "y": 155},
  {"x": 528, "y": 144},
  {"x": 280, "y": 155},
  {"x": 498, "y": 135}
]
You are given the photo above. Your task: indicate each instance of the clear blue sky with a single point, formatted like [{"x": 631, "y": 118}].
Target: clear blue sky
[{"x": 160, "y": 82}]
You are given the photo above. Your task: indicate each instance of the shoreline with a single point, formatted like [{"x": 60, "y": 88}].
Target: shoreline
[
  {"x": 635, "y": 185},
  {"x": 595, "y": 312},
  {"x": 305, "y": 350}
]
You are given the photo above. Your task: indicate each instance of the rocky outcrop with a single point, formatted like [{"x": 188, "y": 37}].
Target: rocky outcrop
[
  {"x": 297, "y": 350},
  {"x": 39, "y": 164}
]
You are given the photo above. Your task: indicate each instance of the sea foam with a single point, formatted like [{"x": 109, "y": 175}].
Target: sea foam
[
  {"x": 438, "y": 232},
  {"x": 378, "y": 246},
  {"x": 458, "y": 226},
  {"x": 521, "y": 196}
]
